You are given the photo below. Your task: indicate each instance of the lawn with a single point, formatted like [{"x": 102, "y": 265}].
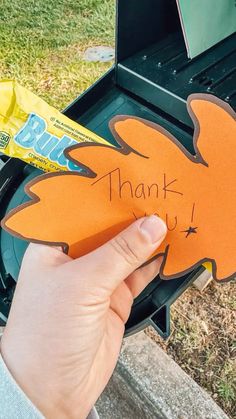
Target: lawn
[
  {"x": 42, "y": 45},
  {"x": 203, "y": 340}
]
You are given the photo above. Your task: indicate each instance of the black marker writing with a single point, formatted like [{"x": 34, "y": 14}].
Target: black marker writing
[{"x": 125, "y": 188}]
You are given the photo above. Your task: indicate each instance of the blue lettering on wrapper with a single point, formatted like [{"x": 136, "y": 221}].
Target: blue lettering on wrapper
[
  {"x": 31, "y": 131},
  {"x": 45, "y": 144},
  {"x": 34, "y": 135},
  {"x": 57, "y": 153}
]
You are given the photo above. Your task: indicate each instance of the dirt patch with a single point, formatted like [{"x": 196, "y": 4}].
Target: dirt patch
[{"x": 203, "y": 340}]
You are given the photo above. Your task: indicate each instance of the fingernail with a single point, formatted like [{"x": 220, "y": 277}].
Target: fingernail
[{"x": 154, "y": 228}]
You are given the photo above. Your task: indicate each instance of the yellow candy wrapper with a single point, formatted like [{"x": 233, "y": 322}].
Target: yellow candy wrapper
[{"x": 35, "y": 132}]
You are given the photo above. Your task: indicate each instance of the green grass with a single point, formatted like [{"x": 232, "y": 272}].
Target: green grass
[
  {"x": 42, "y": 44},
  {"x": 226, "y": 391},
  {"x": 226, "y": 386}
]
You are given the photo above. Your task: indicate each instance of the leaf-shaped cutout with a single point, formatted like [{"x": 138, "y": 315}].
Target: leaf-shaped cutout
[{"x": 151, "y": 173}]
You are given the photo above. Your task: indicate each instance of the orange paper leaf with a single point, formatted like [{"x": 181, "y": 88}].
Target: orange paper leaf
[{"x": 151, "y": 173}]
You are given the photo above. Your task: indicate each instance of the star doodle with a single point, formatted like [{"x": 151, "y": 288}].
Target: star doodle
[{"x": 190, "y": 230}]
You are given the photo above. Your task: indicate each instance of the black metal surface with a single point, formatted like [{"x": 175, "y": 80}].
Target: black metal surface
[
  {"x": 13, "y": 249},
  {"x": 140, "y": 23},
  {"x": 153, "y": 305},
  {"x": 113, "y": 101},
  {"x": 164, "y": 76},
  {"x": 14, "y": 174},
  {"x": 90, "y": 97},
  {"x": 152, "y": 60},
  {"x": 8, "y": 174}
]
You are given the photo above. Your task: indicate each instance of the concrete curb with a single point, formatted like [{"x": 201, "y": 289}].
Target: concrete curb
[{"x": 148, "y": 384}]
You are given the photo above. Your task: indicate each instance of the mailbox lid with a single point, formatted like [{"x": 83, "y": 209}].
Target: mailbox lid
[{"x": 152, "y": 59}]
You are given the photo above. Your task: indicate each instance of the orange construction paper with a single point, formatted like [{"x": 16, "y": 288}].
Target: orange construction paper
[{"x": 151, "y": 173}]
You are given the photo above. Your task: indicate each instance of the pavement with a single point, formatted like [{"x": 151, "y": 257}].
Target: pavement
[{"x": 147, "y": 383}]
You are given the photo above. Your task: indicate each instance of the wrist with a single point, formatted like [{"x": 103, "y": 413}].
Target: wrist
[{"x": 49, "y": 396}]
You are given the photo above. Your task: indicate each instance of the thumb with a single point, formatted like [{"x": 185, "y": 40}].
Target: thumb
[{"x": 113, "y": 262}]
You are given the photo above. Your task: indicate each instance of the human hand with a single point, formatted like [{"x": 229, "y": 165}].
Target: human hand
[{"x": 67, "y": 320}]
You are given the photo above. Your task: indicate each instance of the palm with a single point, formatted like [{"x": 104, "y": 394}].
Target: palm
[
  {"x": 104, "y": 329},
  {"x": 78, "y": 309}
]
